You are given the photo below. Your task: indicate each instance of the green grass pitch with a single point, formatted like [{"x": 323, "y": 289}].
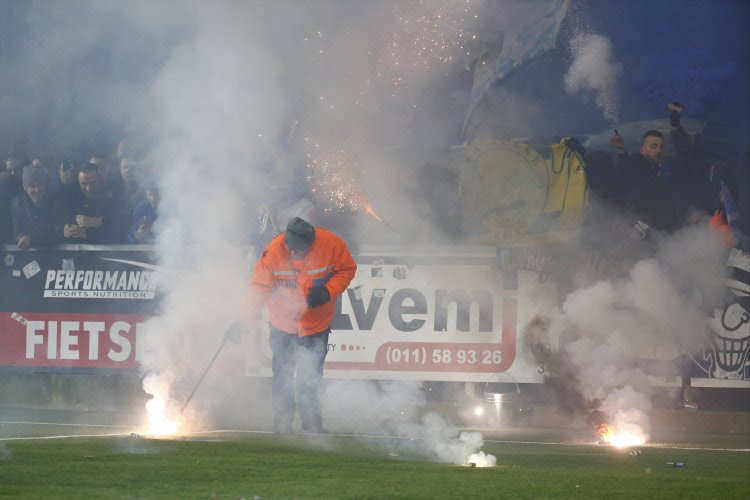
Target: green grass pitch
[{"x": 258, "y": 465}]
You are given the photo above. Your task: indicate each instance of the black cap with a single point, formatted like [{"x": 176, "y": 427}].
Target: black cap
[{"x": 299, "y": 234}]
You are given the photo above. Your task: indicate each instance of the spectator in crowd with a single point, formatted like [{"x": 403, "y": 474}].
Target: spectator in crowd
[
  {"x": 299, "y": 275},
  {"x": 14, "y": 167},
  {"x": 127, "y": 184},
  {"x": 638, "y": 179},
  {"x": 90, "y": 216},
  {"x": 10, "y": 187},
  {"x": 63, "y": 186},
  {"x": 145, "y": 214},
  {"x": 661, "y": 191},
  {"x": 102, "y": 166},
  {"x": 131, "y": 145},
  {"x": 127, "y": 190},
  {"x": 46, "y": 161},
  {"x": 6, "y": 225},
  {"x": 33, "y": 212},
  {"x": 657, "y": 192}
]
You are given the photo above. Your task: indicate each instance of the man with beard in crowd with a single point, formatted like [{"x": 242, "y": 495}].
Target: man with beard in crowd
[
  {"x": 33, "y": 211},
  {"x": 638, "y": 179},
  {"x": 659, "y": 191},
  {"x": 299, "y": 275},
  {"x": 90, "y": 217}
]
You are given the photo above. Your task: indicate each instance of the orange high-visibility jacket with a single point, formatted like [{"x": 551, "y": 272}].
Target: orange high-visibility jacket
[{"x": 284, "y": 283}]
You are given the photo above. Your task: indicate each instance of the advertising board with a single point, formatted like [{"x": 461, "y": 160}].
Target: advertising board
[{"x": 430, "y": 313}]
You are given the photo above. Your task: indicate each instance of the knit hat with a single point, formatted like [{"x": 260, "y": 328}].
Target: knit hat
[
  {"x": 299, "y": 234},
  {"x": 33, "y": 174}
]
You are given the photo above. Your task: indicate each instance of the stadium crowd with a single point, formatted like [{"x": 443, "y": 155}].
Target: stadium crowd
[
  {"x": 42, "y": 203},
  {"x": 114, "y": 199}
]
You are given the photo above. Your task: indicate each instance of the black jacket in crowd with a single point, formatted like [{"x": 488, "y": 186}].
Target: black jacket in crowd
[
  {"x": 35, "y": 221},
  {"x": 100, "y": 205}
]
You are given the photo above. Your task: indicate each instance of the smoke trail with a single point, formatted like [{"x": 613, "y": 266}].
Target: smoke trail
[
  {"x": 614, "y": 333},
  {"x": 219, "y": 110},
  {"x": 216, "y": 106},
  {"x": 450, "y": 445},
  {"x": 399, "y": 405},
  {"x": 594, "y": 68}
]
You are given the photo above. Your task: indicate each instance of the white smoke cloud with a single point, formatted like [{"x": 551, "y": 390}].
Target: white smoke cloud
[
  {"x": 216, "y": 106},
  {"x": 595, "y": 68},
  {"x": 228, "y": 112},
  {"x": 349, "y": 406},
  {"x": 628, "y": 410},
  {"x": 657, "y": 310},
  {"x": 449, "y": 444},
  {"x": 434, "y": 437},
  {"x": 217, "y": 88},
  {"x": 397, "y": 403}
]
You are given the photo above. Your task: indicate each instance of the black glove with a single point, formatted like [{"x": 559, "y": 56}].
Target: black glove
[{"x": 318, "y": 296}]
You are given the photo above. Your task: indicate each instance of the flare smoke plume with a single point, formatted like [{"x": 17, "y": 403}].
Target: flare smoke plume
[
  {"x": 595, "y": 69},
  {"x": 613, "y": 333}
]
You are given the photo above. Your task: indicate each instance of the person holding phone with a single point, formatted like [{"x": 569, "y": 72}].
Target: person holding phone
[{"x": 145, "y": 214}]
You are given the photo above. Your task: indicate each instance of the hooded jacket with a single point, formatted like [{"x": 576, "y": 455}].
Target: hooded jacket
[{"x": 284, "y": 283}]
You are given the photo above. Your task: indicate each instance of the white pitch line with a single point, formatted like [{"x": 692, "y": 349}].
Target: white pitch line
[
  {"x": 69, "y": 425},
  {"x": 647, "y": 445},
  {"x": 38, "y": 438},
  {"x": 369, "y": 436},
  {"x": 242, "y": 431},
  {"x": 223, "y": 431},
  {"x": 666, "y": 447},
  {"x": 372, "y": 436}
]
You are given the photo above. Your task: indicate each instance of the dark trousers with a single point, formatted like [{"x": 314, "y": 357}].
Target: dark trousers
[{"x": 307, "y": 355}]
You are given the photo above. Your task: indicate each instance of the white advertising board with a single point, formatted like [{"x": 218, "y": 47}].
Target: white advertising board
[{"x": 432, "y": 314}]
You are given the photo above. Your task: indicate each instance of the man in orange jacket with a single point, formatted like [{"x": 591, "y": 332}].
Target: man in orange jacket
[{"x": 299, "y": 276}]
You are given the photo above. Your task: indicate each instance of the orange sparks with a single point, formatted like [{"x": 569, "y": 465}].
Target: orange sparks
[
  {"x": 370, "y": 211},
  {"x": 332, "y": 180}
]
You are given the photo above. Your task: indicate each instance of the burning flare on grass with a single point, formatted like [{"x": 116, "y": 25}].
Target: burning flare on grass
[
  {"x": 621, "y": 438},
  {"x": 159, "y": 424}
]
